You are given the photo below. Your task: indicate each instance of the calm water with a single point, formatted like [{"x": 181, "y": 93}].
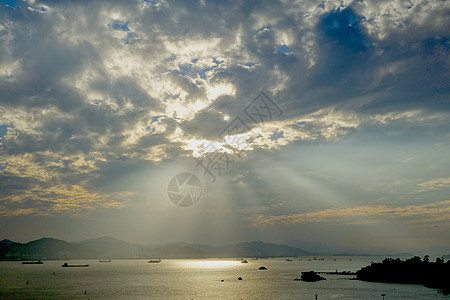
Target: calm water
[{"x": 197, "y": 279}]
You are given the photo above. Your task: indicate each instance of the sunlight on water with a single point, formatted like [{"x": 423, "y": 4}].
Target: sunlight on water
[
  {"x": 211, "y": 263},
  {"x": 198, "y": 279}
]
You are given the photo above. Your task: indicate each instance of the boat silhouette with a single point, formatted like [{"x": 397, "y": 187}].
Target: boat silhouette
[
  {"x": 66, "y": 265},
  {"x": 38, "y": 262}
]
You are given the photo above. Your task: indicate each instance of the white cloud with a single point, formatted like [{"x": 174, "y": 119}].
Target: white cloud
[{"x": 434, "y": 184}]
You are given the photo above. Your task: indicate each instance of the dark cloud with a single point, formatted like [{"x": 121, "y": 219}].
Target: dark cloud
[
  {"x": 207, "y": 124},
  {"x": 11, "y": 184}
]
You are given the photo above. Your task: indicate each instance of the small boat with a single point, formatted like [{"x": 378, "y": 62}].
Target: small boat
[
  {"x": 104, "y": 260},
  {"x": 66, "y": 265},
  {"x": 262, "y": 268},
  {"x": 244, "y": 261},
  {"x": 288, "y": 259},
  {"x": 38, "y": 262},
  {"x": 154, "y": 261}
]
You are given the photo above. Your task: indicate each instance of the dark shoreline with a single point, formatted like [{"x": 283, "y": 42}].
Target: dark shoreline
[{"x": 410, "y": 271}]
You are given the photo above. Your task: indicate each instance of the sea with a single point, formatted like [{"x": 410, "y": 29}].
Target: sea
[{"x": 200, "y": 279}]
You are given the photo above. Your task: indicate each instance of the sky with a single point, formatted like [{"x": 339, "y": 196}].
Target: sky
[{"x": 323, "y": 121}]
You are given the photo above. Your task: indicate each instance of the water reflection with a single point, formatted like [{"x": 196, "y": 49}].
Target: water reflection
[{"x": 207, "y": 263}]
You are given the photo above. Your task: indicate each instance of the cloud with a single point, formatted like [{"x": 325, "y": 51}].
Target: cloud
[
  {"x": 434, "y": 184},
  {"x": 69, "y": 199},
  {"x": 87, "y": 85},
  {"x": 355, "y": 215}
]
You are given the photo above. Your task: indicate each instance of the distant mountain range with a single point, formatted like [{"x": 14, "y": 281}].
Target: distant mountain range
[
  {"x": 111, "y": 248},
  {"x": 323, "y": 249},
  {"x": 108, "y": 247},
  {"x": 246, "y": 249}
]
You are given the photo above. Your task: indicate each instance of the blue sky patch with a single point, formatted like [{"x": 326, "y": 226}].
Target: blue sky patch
[
  {"x": 283, "y": 49},
  {"x": 217, "y": 61},
  {"x": 262, "y": 29},
  {"x": 12, "y": 3},
  {"x": 155, "y": 119},
  {"x": 186, "y": 69},
  {"x": 277, "y": 135},
  {"x": 120, "y": 25},
  {"x": 3, "y": 166},
  {"x": 4, "y": 131},
  {"x": 192, "y": 71},
  {"x": 342, "y": 27}
]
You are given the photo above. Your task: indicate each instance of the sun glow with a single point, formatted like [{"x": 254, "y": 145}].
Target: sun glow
[
  {"x": 213, "y": 92},
  {"x": 212, "y": 263}
]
